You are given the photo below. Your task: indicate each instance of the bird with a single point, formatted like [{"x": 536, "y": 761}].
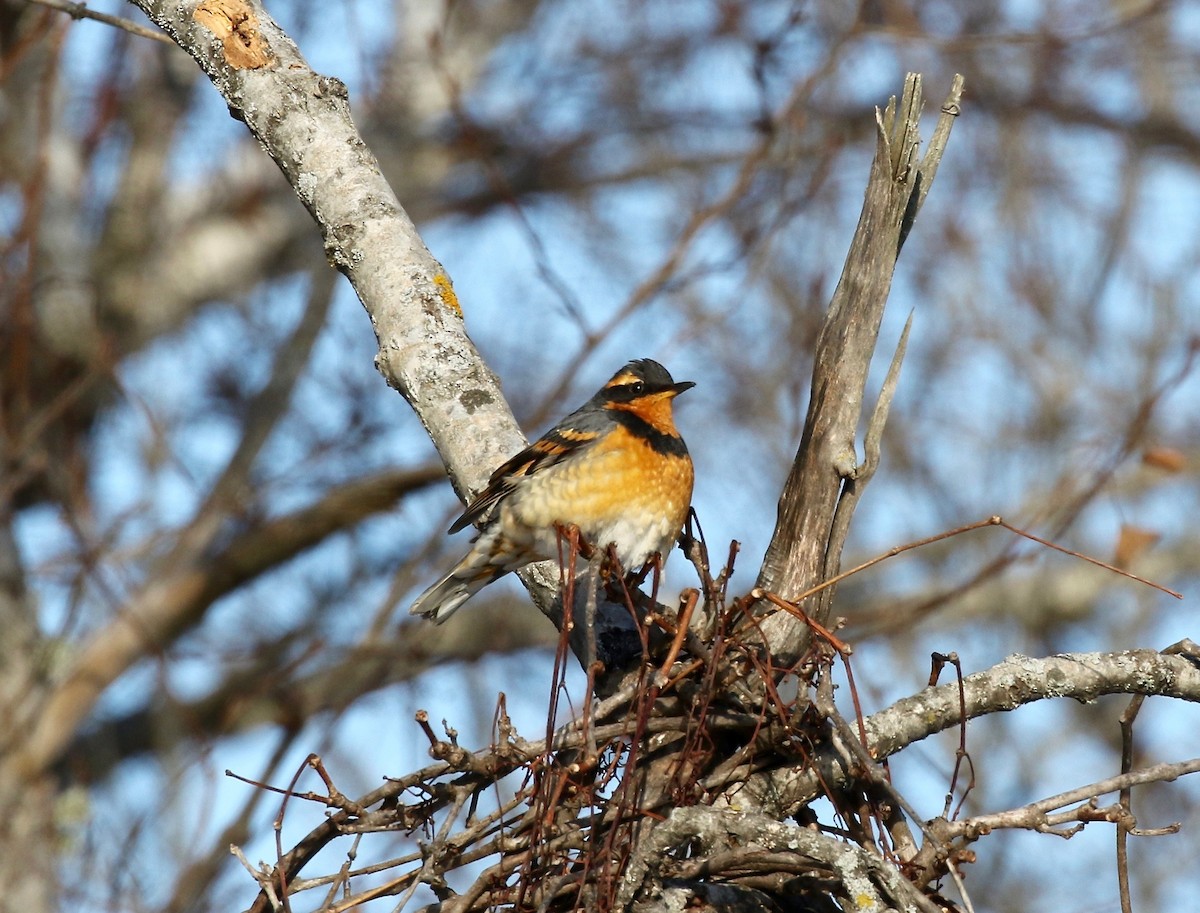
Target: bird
[{"x": 616, "y": 469}]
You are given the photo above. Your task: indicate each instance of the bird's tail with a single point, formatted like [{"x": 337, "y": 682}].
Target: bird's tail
[{"x": 467, "y": 578}]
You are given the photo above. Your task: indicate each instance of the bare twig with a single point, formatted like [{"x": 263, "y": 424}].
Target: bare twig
[
  {"x": 1126, "y": 801},
  {"x": 1131, "y": 441},
  {"x": 1037, "y": 815},
  {"x": 80, "y": 11},
  {"x": 1087, "y": 558},
  {"x": 958, "y": 531},
  {"x": 961, "y": 754}
]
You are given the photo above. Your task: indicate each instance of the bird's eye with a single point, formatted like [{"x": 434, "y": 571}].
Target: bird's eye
[{"x": 637, "y": 388}]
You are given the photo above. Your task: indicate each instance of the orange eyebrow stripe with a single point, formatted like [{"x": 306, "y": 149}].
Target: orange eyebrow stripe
[{"x": 621, "y": 379}]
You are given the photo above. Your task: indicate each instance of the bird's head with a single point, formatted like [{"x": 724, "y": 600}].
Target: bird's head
[{"x": 645, "y": 388}]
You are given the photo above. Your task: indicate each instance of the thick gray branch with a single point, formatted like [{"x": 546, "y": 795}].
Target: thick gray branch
[
  {"x": 873, "y": 884},
  {"x": 1010, "y": 684},
  {"x": 304, "y": 123}
]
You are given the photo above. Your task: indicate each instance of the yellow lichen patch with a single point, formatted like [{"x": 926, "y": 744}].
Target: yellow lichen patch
[
  {"x": 234, "y": 22},
  {"x": 446, "y": 292}
]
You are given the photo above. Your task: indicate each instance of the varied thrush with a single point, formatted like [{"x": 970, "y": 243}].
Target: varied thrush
[{"x": 616, "y": 468}]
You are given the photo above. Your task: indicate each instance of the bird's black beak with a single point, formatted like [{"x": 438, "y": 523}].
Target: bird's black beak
[{"x": 678, "y": 388}]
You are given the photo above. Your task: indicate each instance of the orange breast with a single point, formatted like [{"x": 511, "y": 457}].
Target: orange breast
[{"x": 619, "y": 490}]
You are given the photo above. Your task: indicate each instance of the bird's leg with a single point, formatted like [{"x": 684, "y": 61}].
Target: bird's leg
[
  {"x": 637, "y": 578},
  {"x": 578, "y": 546},
  {"x": 613, "y": 572},
  {"x": 570, "y": 533},
  {"x": 618, "y": 591},
  {"x": 654, "y": 562}
]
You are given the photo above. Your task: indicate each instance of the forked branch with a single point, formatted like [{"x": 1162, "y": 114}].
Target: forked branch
[{"x": 807, "y": 542}]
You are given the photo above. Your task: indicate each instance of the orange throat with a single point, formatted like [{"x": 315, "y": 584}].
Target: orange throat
[{"x": 654, "y": 410}]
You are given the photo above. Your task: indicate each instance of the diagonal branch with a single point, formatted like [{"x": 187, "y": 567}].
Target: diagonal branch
[
  {"x": 304, "y": 123},
  {"x": 176, "y": 601},
  {"x": 260, "y": 694},
  {"x": 263, "y": 413}
]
